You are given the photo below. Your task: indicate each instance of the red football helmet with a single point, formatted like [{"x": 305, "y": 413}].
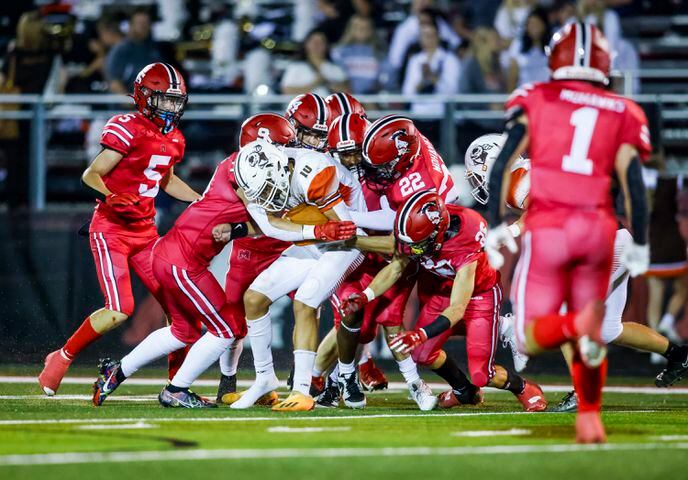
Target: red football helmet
[
  {"x": 271, "y": 127},
  {"x": 389, "y": 146},
  {"x": 308, "y": 114},
  {"x": 421, "y": 223},
  {"x": 160, "y": 95},
  {"x": 346, "y": 133},
  {"x": 341, "y": 102},
  {"x": 579, "y": 51}
]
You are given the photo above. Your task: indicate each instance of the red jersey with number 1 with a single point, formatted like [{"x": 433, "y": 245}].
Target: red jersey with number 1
[
  {"x": 427, "y": 171},
  {"x": 190, "y": 242},
  {"x": 575, "y": 131},
  {"x": 148, "y": 157},
  {"x": 461, "y": 247}
]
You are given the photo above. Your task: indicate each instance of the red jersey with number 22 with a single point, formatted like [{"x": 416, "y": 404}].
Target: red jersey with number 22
[
  {"x": 148, "y": 157},
  {"x": 575, "y": 131},
  {"x": 190, "y": 242},
  {"x": 461, "y": 248},
  {"x": 427, "y": 171}
]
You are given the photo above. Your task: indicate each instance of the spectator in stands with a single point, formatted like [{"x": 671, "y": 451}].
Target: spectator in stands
[
  {"x": 597, "y": 13},
  {"x": 314, "y": 71},
  {"x": 91, "y": 78},
  {"x": 511, "y": 18},
  {"x": 127, "y": 58},
  {"x": 482, "y": 71},
  {"x": 336, "y": 14},
  {"x": 358, "y": 53},
  {"x": 526, "y": 58},
  {"x": 407, "y": 33},
  {"x": 561, "y": 13},
  {"x": 432, "y": 70}
]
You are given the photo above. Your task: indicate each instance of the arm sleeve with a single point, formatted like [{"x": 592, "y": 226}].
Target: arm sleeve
[
  {"x": 382, "y": 220},
  {"x": 260, "y": 217}
]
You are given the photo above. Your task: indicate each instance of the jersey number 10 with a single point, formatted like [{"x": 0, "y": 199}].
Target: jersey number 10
[{"x": 577, "y": 161}]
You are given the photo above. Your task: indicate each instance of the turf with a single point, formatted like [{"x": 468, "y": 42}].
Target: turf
[{"x": 648, "y": 438}]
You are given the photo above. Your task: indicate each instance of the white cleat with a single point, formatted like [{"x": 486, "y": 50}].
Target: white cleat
[
  {"x": 592, "y": 353},
  {"x": 507, "y": 331},
  {"x": 259, "y": 388},
  {"x": 667, "y": 327},
  {"x": 422, "y": 394}
]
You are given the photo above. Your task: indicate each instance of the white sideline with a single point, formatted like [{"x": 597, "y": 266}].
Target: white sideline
[
  {"x": 279, "y": 418},
  {"x": 235, "y": 454},
  {"x": 160, "y": 382}
]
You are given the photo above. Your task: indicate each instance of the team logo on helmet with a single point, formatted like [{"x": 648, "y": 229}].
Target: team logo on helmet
[
  {"x": 257, "y": 157},
  {"x": 432, "y": 214},
  {"x": 480, "y": 152},
  {"x": 294, "y": 106},
  {"x": 402, "y": 146}
]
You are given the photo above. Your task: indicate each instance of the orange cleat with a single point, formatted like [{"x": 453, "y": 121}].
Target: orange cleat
[
  {"x": 589, "y": 428},
  {"x": 448, "y": 399},
  {"x": 56, "y": 366},
  {"x": 296, "y": 402},
  {"x": 317, "y": 386},
  {"x": 372, "y": 378},
  {"x": 532, "y": 398}
]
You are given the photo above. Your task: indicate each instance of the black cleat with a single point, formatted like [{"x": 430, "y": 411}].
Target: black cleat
[
  {"x": 673, "y": 372},
  {"x": 290, "y": 379},
  {"x": 352, "y": 393},
  {"x": 107, "y": 381},
  {"x": 329, "y": 398},
  {"x": 568, "y": 404},
  {"x": 227, "y": 385},
  {"x": 183, "y": 399}
]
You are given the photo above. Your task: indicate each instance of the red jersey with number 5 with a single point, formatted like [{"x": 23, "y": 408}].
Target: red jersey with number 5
[
  {"x": 575, "y": 131},
  {"x": 464, "y": 243},
  {"x": 148, "y": 157},
  {"x": 427, "y": 171}
]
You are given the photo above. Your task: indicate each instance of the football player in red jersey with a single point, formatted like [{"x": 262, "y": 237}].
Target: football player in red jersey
[
  {"x": 345, "y": 142},
  {"x": 577, "y": 135},
  {"x": 309, "y": 115},
  {"x": 341, "y": 102},
  {"x": 138, "y": 157},
  {"x": 459, "y": 293}
]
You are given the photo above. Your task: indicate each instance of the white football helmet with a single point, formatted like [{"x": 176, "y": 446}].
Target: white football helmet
[
  {"x": 480, "y": 157},
  {"x": 262, "y": 171}
]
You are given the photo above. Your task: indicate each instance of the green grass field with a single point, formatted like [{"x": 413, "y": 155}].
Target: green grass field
[{"x": 131, "y": 435}]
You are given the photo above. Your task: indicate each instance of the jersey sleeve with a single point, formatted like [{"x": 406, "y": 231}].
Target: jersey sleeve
[
  {"x": 323, "y": 189},
  {"x": 118, "y": 134},
  {"x": 472, "y": 240},
  {"x": 520, "y": 99},
  {"x": 636, "y": 131}
]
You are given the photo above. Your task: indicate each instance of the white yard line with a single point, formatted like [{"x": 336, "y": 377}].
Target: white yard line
[
  {"x": 125, "y": 426},
  {"x": 307, "y": 429},
  {"x": 276, "y": 453},
  {"x": 491, "y": 433},
  {"x": 279, "y": 418},
  {"x": 401, "y": 386}
]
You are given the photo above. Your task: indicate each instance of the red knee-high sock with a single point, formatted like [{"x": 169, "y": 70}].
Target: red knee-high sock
[
  {"x": 175, "y": 360},
  {"x": 82, "y": 338},
  {"x": 550, "y": 331},
  {"x": 588, "y": 383}
]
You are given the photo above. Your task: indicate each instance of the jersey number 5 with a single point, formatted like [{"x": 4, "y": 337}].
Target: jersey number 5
[
  {"x": 411, "y": 184},
  {"x": 577, "y": 161},
  {"x": 153, "y": 175}
]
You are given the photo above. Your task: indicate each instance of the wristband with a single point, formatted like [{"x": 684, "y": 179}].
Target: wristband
[
  {"x": 440, "y": 325},
  {"x": 239, "y": 230},
  {"x": 514, "y": 229},
  {"x": 368, "y": 292},
  {"x": 308, "y": 232}
]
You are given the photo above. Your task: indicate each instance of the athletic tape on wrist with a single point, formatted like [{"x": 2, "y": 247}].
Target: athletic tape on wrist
[
  {"x": 370, "y": 295},
  {"x": 308, "y": 232}
]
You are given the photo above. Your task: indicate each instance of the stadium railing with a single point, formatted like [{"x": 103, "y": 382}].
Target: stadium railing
[{"x": 452, "y": 112}]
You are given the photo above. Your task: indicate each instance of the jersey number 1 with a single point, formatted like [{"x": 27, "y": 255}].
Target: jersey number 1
[
  {"x": 153, "y": 175},
  {"x": 577, "y": 161}
]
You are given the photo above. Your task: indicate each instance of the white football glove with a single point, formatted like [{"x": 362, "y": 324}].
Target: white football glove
[
  {"x": 636, "y": 259},
  {"x": 496, "y": 238}
]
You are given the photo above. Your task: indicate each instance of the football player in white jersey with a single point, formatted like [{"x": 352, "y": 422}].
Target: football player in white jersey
[
  {"x": 480, "y": 157},
  {"x": 309, "y": 179}
]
